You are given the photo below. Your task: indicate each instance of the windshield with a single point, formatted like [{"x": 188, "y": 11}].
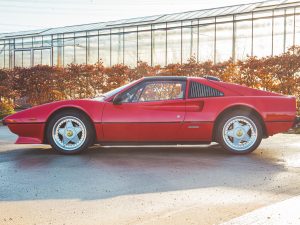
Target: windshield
[{"x": 113, "y": 92}]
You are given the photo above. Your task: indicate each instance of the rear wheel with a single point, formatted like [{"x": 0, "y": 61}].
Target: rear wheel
[
  {"x": 70, "y": 132},
  {"x": 239, "y": 132}
]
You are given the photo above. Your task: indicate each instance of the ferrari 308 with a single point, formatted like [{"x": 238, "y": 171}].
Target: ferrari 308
[{"x": 160, "y": 110}]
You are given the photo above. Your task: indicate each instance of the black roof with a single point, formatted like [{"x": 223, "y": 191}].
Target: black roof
[
  {"x": 180, "y": 78},
  {"x": 176, "y": 78}
]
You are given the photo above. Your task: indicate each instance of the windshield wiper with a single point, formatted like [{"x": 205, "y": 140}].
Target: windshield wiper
[{"x": 100, "y": 96}]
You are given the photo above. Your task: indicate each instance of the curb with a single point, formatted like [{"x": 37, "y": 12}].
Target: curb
[{"x": 283, "y": 212}]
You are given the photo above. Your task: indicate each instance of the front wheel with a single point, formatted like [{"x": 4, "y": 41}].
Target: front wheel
[
  {"x": 69, "y": 132},
  {"x": 239, "y": 132}
]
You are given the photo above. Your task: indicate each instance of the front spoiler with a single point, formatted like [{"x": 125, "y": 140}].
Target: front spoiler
[{"x": 296, "y": 122}]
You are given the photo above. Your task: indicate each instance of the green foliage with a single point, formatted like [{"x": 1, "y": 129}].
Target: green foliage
[{"x": 6, "y": 108}]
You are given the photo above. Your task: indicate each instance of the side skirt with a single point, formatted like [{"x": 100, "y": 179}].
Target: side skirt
[{"x": 121, "y": 143}]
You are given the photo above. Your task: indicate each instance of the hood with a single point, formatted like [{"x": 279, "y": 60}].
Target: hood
[{"x": 40, "y": 114}]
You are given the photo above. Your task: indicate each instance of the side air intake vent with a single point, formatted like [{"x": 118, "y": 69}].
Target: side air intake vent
[{"x": 198, "y": 90}]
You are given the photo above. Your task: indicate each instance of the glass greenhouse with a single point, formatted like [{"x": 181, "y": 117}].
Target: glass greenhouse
[{"x": 256, "y": 29}]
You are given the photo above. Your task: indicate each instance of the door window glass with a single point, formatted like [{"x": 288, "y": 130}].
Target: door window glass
[
  {"x": 132, "y": 95},
  {"x": 155, "y": 91},
  {"x": 163, "y": 90}
]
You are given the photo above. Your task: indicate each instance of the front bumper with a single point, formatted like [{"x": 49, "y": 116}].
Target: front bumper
[{"x": 297, "y": 122}]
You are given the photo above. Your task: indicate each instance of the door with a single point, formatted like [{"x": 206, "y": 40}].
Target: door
[
  {"x": 199, "y": 119},
  {"x": 151, "y": 111}
]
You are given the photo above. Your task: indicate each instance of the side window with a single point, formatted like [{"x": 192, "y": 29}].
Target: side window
[
  {"x": 162, "y": 90},
  {"x": 133, "y": 94},
  {"x": 198, "y": 90},
  {"x": 155, "y": 91}
]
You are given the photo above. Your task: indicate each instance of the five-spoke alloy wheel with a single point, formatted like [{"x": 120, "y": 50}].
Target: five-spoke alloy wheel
[
  {"x": 70, "y": 132},
  {"x": 239, "y": 132}
]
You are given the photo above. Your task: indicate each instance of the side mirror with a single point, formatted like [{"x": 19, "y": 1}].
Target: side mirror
[{"x": 117, "y": 100}]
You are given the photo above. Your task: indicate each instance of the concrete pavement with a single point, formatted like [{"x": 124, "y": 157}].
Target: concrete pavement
[{"x": 144, "y": 185}]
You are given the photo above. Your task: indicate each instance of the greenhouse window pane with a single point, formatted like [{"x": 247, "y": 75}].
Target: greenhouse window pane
[
  {"x": 159, "y": 47},
  {"x": 6, "y": 56},
  {"x": 279, "y": 12},
  {"x": 37, "y": 57},
  {"x": 19, "y": 43},
  {"x": 206, "y": 21},
  {"x": 80, "y": 50},
  {"x": 289, "y": 32},
  {"x": 224, "y": 41},
  {"x": 144, "y": 46},
  {"x": 209, "y": 12},
  {"x": 47, "y": 41},
  {"x": 37, "y": 42},
  {"x": 235, "y": 9},
  {"x": 278, "y": 36},
  {"x": 104, "y": 49},
  {"x": 289, "y": 11},
  {"x": 244, "y": 16},
  {"x": 186, "y": 16},
  {"x": 18, "y": 58},
  {"x": 57, "y": 52},
  {"x": 80, "y": 34},
  {"x": 11, "y": 54},
  {"x": 46, "y": 57},
  {"x": 92, "y": 50},
  {"x": 1, "y": 56},
  {"x": 116, "y": 48},
  {"x": 189, "y": 43},
  {"x": 222, "y": 19},
  {"x": 27, "y": 42},
  {"x": 200, "y": 13},
  {"x": 243, "y": 41},
  {"x": 68, "y": 51},
  {"x": 130, "y": 48},
  {"x": 216, "y": 12},
  {"x": 206, "y": 42},
  {"x": 261, "y": 14},
  {"x": 297, "y": 30},
  {"x": 26, "y": 58},
  {"x": 174, "y": 25},
  {"x": 174, "y": 46},
  {"x": 262, "y": 37}
]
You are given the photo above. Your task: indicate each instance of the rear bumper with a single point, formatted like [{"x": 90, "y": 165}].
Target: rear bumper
[
  {"x": 276, "y": 127},
  {"x": 296, "y": 122}
]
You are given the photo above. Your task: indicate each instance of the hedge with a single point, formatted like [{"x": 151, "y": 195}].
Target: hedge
[{"x": 42, "y": 84}]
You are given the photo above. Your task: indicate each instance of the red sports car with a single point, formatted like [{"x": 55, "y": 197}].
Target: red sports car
[{"x": 160, "y": 110}]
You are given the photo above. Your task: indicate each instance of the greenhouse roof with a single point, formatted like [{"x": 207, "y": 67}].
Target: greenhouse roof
[{"x": 198, "y": 14}]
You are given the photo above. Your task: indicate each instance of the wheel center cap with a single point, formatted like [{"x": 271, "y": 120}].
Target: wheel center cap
[
  {"x": 239, "y": 133},
  {"x": 69, "y": 133}
]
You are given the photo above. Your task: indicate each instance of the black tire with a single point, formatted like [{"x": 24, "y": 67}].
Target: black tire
[
  {"x": 90, "y": 134},
  {"x": 220, "y": 138}
]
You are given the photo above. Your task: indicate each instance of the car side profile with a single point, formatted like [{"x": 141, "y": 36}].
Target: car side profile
[{"x": 160, "y": 110}]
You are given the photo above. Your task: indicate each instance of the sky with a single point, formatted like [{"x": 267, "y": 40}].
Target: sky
[{"x": 20, "y": 15}]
